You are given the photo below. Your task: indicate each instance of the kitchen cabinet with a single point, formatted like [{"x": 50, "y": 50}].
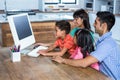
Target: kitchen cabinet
[{"x": 108, "y": 5}]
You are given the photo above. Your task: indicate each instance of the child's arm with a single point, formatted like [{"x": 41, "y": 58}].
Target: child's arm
[
  {"x": 60, "y": 53},
  {"x": 52, "y": 47},
  {"x": 43, "y": 44}
]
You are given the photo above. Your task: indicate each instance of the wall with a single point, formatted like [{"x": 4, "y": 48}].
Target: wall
[
  {"x": 19, "y": 4},
  {"x": 98, "y": 4},
  {"x": 117, "y": 6}
]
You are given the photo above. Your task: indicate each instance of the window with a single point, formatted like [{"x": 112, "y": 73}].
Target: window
[
  {"x": 52, "y": 1},
  {"x": 60, "y": 1},
  {"x": 68, "y": 1}
]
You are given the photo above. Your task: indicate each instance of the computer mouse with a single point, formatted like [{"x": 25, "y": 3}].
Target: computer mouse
[{"x": 36, "y": 46}]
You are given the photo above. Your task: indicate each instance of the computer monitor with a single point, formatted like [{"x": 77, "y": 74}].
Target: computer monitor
[{"x": 21, "y": 30}]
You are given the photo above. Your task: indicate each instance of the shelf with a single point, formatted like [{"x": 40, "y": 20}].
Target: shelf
[{"x": 104, "y": 5}]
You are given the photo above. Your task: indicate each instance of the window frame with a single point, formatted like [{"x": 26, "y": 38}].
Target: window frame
[
  {"x": 60, "y": 1},
  {"x": 70, "y": 2}
]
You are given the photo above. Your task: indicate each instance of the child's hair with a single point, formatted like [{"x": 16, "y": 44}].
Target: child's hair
[
  {"x": 84, "y": 40},
  {"x": 106, "y": 17},
  {"x": 63, "y": 25},
  {"x": 81, "y": 13}
]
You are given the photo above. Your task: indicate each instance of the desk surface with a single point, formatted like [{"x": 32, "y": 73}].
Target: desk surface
[{"x": 42, "y": 68}]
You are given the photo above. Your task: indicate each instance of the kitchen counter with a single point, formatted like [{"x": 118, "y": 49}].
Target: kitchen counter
[{"x": 41, "y": 17}]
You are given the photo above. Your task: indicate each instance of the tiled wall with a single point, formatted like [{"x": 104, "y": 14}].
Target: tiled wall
[{"x": 19, "y": 4}]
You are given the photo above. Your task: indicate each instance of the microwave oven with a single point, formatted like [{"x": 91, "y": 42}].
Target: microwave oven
[{"x": 89, "y": 5}]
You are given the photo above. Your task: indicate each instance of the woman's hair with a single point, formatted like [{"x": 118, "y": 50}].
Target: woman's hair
[
  {"x": 81, "y": 13},
  {"x": 84, "y": 40},
  {"x": 63, "y": 25}
]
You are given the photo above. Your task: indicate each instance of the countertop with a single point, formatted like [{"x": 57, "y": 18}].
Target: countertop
[{"x": 40, "y": 17}]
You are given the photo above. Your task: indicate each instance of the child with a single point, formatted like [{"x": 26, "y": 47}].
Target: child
[
  {"x": 81, "y": 21},
  {"x": 84, "y": 42},
  {"x": 64, "y": 41}
]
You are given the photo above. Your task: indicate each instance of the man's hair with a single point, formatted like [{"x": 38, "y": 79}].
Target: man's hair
[
  {"x": 106, "y": 17},
  {"x": 81, "y": 13},
  {"x": 63, "y": 25}
]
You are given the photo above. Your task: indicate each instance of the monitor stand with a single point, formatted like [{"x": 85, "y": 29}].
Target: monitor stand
[{"x": 25, "y": 51}]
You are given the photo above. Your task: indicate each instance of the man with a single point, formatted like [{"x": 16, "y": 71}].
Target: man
[{"x": 107, "y": 52}]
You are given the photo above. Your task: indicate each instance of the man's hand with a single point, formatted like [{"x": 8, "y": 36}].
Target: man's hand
[{"x": 58, "y": 59}]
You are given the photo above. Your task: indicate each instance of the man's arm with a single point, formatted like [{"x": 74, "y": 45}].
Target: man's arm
[{"x": 78, "y": 62}]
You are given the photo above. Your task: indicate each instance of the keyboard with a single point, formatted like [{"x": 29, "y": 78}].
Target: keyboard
[{"x": 34, "y": 53}]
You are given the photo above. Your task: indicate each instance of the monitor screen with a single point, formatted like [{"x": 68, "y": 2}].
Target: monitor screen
[{"x": 21, "y": 30}]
